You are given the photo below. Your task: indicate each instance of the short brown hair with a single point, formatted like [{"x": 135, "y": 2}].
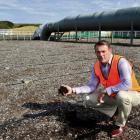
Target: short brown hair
[{"x": 102, "y": 42}]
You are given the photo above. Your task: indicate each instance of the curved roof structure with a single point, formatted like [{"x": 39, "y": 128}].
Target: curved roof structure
[{"x": 122, "y": 19}]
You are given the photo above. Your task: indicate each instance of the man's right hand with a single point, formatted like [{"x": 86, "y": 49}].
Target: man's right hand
[{"x": 65, "y": 90}]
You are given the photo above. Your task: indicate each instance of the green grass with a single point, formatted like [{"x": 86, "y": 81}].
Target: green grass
[
  {"x": 6, "y": 25},
  {"x": 11, "y": 25}
]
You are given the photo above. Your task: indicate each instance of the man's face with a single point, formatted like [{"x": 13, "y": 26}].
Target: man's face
[{"x": 103, "y": 53}]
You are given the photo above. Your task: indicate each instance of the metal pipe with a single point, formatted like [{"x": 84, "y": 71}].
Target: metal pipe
[{"x": 118, "y": 20}]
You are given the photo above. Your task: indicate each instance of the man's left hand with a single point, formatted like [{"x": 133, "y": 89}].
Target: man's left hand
[{"x": 101, "y": 97}]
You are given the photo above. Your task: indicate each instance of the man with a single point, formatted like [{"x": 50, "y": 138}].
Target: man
[{"x": 121, "y": 89}]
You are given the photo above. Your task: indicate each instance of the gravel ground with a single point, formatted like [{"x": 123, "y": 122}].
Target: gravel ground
[{"x": 30, "y": 107}]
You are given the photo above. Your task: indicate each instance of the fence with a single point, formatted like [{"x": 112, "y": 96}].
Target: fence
[
  {"x": 85, "y": 35},
  {"x": 9, "y": 34}
]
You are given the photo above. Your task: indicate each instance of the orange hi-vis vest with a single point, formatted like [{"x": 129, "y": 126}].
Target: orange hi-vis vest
[{"x": 113, "y": 76}]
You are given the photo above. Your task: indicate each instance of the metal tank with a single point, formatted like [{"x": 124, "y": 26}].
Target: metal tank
[{"x": 123, "y": 19}]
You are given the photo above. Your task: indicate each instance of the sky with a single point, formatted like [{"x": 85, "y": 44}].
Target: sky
[{"x": 46, "y": 11}]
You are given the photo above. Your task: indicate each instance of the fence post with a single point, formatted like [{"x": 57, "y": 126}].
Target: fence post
[{"x": 17, "y": 36}]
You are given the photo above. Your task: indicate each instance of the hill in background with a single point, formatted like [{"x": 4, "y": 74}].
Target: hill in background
[
  {"x": 6, "y": 25},
  {"x": 11, "y": 25}
]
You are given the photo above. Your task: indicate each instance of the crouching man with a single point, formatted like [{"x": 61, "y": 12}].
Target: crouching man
[{"x": 121, "y": 90}]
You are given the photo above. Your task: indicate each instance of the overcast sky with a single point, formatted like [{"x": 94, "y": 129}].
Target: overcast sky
[{"x": 45, "y": 11}]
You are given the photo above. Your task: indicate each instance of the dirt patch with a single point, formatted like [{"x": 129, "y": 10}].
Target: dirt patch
[{"x": 32, "y": 71}]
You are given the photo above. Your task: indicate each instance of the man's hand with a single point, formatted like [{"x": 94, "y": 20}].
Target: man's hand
[
  {"x": 65, "y": 90},
  {"x": 101, "y": 97}
]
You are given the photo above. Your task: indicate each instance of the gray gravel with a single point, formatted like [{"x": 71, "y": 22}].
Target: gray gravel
[{"x": 30, "y": 107}]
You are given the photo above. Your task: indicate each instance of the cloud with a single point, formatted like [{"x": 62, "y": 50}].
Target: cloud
[{"x": 54, "y": 10}]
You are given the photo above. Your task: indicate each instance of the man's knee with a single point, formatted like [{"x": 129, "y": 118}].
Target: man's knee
[
  {"x": 123, "y": 97},
  {"x": 91, "y": 100}
]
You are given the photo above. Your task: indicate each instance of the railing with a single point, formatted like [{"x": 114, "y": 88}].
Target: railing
[{"x": 9, "y": 34}]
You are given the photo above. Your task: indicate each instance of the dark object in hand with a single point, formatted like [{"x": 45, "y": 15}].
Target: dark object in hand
[{"x": 62, "y": 90}]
